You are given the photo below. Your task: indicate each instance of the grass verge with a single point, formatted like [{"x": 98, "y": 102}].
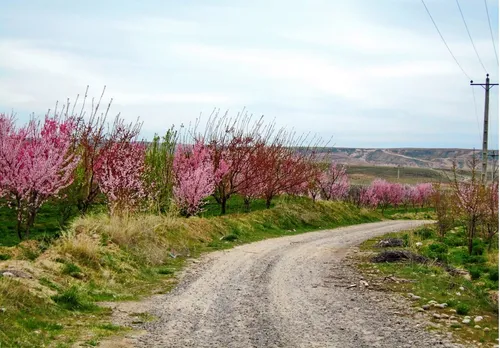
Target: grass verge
[
  {"x": 52, "y": 298},
  {"x": 465, "y": 295}
]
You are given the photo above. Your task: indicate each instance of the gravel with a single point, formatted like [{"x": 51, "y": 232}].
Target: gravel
[{"x": 293, "y": 291}]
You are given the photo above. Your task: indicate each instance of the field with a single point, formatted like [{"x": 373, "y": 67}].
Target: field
[{"x": 364, "y": 175}]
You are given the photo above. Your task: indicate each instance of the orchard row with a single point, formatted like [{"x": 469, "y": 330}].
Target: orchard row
[{"x": 80, "y": 160}]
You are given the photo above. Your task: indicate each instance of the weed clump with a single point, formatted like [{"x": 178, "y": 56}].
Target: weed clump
[
  {"x": 463, "y": 309},
  {"x": 73, "y": 299}
]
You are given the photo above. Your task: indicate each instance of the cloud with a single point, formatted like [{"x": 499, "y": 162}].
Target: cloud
[{"x": 365, "y": 72}]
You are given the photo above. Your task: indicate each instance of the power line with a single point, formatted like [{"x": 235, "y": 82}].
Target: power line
[
  {"x": 470, "y": 36},
  {"x": 444, "y": 41},
  {"x": 491, "y": 31},
  {"x": 475, "y": 111}
]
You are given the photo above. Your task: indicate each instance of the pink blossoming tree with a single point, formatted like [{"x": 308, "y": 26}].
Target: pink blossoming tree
[
  {"x": 35, "y": 164},
  {"x": 119, "y": 172},
  {"x": 334, "y": 183},
  {"x": 195, "y": 177}
]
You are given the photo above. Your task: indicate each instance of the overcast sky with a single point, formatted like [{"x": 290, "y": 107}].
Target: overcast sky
[{"x": 367, "y": 73}]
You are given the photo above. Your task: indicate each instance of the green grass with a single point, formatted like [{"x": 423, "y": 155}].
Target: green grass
[
  {"x": 46, "y": 224},
  {"x": 432, "y": 282},
  {"x": 235, "y": 205}
]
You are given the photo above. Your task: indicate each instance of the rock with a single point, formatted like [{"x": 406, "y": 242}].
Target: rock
[
  {"x": 364, "y": 283},
  {"x": 399, "y": 255},
  {"x": 414, "y": 297},
  {"x": 458, "y": 294},
  {"x": 418, "y": 244},
  {"x": 452, "y": 310},
  {"x": 432, "y": 302},
  {"x": 2, "y": 310},
  {"x": 420, "y": 309},
  {"x": 478, "y": 319},
  {"x": 441, "y": 305},
  {"x": 444, "y": 316},
  {"x": 436, "y": 316},
  {"x": 461, "y": 288},
  {"x": 8, "y": 274},
  {"x": 467, "y": 317},
  {"x": 452, "y": 317},
  {"x": 426, "y": 307},
  {"x": 486, "y": 329},
  {"x": 390, "y": 242},
  {"x": 351, "y": 286},
  {"x": 466, "y": 321},
  {"x": 477, "y": 327}
]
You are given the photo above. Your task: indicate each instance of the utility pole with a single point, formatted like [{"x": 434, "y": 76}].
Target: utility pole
[{"x": 487, "y": 86}]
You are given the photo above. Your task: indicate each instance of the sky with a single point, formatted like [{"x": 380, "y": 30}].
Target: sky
[{"x": 362, "y": 73}]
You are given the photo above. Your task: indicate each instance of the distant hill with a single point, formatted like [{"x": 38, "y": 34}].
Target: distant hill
[{"x": 405, "y": 157}]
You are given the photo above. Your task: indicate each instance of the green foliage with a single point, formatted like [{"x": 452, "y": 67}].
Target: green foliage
[
  {"x": 73, "y": 299},
  {"x": 425, "y": 232},
  {"x": 158, "y": 173},
  {"x": 165, "y": 270},
  {"x": 463, "y": 309},
  {"x": 493, "y": 274},
  {"x": 454, "y": 239},
  {"x": 475, "y": 273},
  {"x": 478, "y": 247},
  {"x": 230, "y": 237},
  {"x": 437, "y": 251},
  {"x": 71, "y": 269}
]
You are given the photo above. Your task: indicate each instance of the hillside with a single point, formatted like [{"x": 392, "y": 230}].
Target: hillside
[{"x": 404, "y": 157}]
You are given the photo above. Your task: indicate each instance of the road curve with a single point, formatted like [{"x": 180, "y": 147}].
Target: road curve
[{"x": 272, "y": 294}]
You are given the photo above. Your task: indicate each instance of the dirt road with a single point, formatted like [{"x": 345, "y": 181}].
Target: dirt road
[{"x": 282, "y": 293}]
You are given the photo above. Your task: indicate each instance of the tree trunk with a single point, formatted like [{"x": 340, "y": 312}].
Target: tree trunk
[
  {"x": 268, "y": 202},
  {"x": 19, "y": 218},
  {"x": 246, "y": 202},
  {"x": 223, "y": 203}
]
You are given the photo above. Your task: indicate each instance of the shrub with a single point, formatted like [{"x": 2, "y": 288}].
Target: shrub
[
  {"x": 478, "y": 247},
  {"x": 493, "y": 274},
  {"x": 453, "y": 239},
  {"x": 437, "y": 251},
  {"x": 425, "y": 233},
  {"x": 475, "y": 273},
  {"x": 463, "y": 309}
]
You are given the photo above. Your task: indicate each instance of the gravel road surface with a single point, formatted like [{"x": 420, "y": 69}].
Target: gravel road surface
[{"x": 285, "y": 292}]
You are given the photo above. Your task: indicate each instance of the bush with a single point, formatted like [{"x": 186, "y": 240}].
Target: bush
[
  {"x": 475, "y": 273},
  {"x": 425, "y": 232},
  {"x": 493, "y": 274},
  {"x": 463, "y": 309},
  {"x": 478, "y": 247},
  {"x": 437, "y": 251},
  {"x": 453, "y": 240}
]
